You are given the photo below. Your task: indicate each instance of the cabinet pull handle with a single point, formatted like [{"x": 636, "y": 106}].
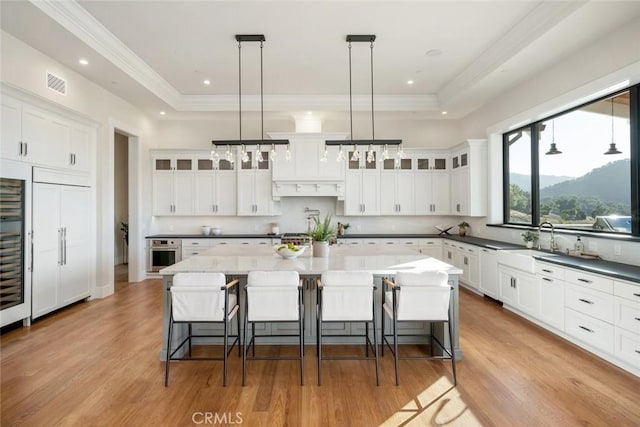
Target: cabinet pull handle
[
  {"x": 586, "y": 301},
  {"x": 547, "y": 280},
  {"x": 59, "y": 246},
  {"x": 26, "y": 148},
  {"x": 547, "y": 271},
  {"x": 585, "y": 328},
  {"x": 20, "y": 149},
  {"x": 636, "y": 295},
  {"x": 584, "y": 280},
  {"x": 71, "y": 158},
  {"x": 638, "y": 351},
  {"x": 637, "y": 318}
]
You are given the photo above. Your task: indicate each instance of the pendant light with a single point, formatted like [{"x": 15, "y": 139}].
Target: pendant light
[
  {"x": 553, "y": 150},
  {"x": 612, "y": 147},
  {"x": 240, "y": 38},
  {"x": 370, "y": 155}
]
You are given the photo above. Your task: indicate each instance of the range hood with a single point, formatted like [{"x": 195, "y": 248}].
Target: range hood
[{"x": 305, "y": 175}]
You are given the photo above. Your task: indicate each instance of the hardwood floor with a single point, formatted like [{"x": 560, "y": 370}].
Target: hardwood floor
[{"x": 97, "y": 363}]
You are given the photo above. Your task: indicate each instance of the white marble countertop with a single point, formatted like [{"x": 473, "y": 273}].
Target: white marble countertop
[{"x": 241, "y": 260}]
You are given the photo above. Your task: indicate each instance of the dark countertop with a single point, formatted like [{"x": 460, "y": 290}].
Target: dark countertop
[
  {"x": 598, "y": 266},
  {"x": 211, "y": 236}
]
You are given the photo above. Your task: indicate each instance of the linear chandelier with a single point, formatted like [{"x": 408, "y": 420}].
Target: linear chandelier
[
  {"x": 369, "y": 142},
  {"x": 258, "y": 142}
]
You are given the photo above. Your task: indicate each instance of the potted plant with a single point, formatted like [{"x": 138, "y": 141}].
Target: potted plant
[
  {"x": 530, "y": 238},
  {"x": 462, "y": 228},
  {"x": 321, "y": 233}
]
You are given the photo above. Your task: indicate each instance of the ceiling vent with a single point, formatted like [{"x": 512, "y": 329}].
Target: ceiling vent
[{"x": 56, "y": 83}]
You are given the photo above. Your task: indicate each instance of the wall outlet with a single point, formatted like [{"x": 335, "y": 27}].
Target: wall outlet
[
  {"x": 171, "y": 228},
  {"x": 593, "y": 246},
  {"x": 617, "y": 250},
  {"x": 393, "y": 227},
  {"x": 358, "y": 227}
]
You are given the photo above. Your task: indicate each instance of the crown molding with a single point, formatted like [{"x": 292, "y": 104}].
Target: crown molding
[
  {"x": 75, "y": 19},
  {"x": 535, "y": 24},
  {"x": 308, "y": 102}
]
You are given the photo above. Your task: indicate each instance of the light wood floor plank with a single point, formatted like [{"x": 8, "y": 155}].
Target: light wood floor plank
[{"x": 96, "y": 363}]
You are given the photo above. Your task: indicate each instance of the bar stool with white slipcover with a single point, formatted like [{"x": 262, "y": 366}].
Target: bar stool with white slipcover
[
  {"x": 203, "y": 298},
  {"x": 347, "y": 296},
  {"x": 273, "y": 297},
  {"x": 417, "y": 296}
]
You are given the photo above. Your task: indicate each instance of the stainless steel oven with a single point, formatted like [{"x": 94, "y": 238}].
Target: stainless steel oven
[{"x": 163, "y": 253}]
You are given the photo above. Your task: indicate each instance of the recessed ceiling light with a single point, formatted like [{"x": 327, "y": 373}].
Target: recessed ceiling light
[
  {"x": 309, "y": 112},
  {"x": 207, "y": 82},
  {"x": 409, "y": 82},
  {"x": 444, "y": 113},
  {"x": 83, "y": 61},
  {"x": 162, "y": 113},
  {"x": 433, "y": 52}
]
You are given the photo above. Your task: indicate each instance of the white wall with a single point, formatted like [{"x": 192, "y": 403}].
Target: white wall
[
  {"x": 198, "y": 134},
  {"x": 25, "y": 67}
]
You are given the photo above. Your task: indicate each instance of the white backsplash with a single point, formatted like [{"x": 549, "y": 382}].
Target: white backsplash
[{"x": 294, "y": 219}]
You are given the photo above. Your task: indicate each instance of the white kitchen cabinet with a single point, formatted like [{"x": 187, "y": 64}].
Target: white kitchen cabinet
[
  {"x": 397, "y": 187},
  {"x": 489, "y": 283},
  {"x": 254, "y": 187},
  {"x": 80, "y": 147},
  {"x": 173, "y": 184},
  {"x": 362, "y": 185},
  {"x": 432, "y": 193},
  {"x": 466, "y": 258},
  {"x": 62, "y": 254},
  {"x": 469, "y": 178},
  {"x": 552, "y": 290},
  {"x": 215, "y": 188},
  {"x": 520, "y": 290},
  {"x": 35, "y": 135},
  {"x": 431, "y": 247}
]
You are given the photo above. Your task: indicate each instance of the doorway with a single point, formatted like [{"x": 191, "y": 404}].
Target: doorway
[{"x": 121, "y": 210}]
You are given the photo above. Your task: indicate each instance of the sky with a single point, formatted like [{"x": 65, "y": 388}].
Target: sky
[{"x": 582, "y": 136}]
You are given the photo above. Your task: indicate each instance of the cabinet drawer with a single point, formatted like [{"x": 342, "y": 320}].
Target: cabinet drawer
[
  {"x": 594, "y": 303},
  {"x": 592, "y": 281},
  {"x": 627, "y": 315},
  {"x": 589, "y": 330},
  {"x": 627, "y": 290},
  {"x": 196, "y": 242},
  {"x": 549, "y": 270},
  {"x": 627, "y": 347}
]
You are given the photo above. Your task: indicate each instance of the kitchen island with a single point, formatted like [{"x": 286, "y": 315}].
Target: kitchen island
[{"x": 381, "y": 262}]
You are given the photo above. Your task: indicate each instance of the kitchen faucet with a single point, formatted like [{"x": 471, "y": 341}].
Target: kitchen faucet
[
  {"x": 311, "y": 214},
  {"x": 553, "y": 246}
]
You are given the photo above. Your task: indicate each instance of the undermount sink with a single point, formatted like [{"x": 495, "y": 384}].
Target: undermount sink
[{"x": 521, "y": 259}]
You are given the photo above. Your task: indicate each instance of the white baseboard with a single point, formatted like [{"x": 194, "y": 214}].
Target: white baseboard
[{"x": 102, "y": 291}]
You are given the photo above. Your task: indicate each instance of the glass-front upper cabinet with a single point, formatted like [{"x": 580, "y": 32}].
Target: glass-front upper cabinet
[
  {"x": 364, "y": 160},
  {"x": 431, "y": 162},
  {"x": 251, "y": 160},
  {"x": 204, "y": 165},
  {"x": 405, "y": 164},
  {"x": 173, "y": 163}
]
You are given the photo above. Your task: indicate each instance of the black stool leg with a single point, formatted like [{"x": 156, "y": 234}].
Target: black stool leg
[
  {"x": 375, "y": 344},
  {"x": 395, "y": 345},
  {"x": 244, "y": 346},
  {"x": 451, "y": 346},
  {"x": 168, "y": 359}
]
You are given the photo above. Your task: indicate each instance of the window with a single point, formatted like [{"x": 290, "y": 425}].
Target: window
[{"x": 576, "y": 169}]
